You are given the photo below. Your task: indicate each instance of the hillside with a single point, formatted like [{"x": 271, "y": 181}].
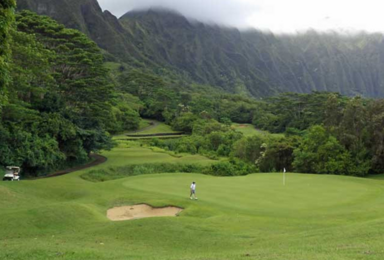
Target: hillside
[
  {"x": 312, "y": 217},
  {"x": 243, "y": 62},
  {"x": 87, "y": 17},
  {"x": 261, "y": 63},
  {"x": 99, "y": 182}
]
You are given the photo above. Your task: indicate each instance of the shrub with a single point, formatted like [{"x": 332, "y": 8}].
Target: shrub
[
  {"x": 228, "y": 168},
  {"x": 134, "y": 170},
  {"x": 232, "y": 167}
]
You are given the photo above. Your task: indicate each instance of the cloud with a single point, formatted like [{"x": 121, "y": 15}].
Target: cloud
[
  {"x": 274, "y": 15},
  {"x": 228, "y": 12}
]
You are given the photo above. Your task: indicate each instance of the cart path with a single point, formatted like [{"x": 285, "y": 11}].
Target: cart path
[{"x": 98, "y": 159}]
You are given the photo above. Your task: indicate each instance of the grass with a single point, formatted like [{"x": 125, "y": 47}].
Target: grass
[
  {"x": 249, "y": 130},
  {"x": 160, "y": 128},
  {"x": 148, "y": 137},
  {"x": 251, "y": 217},
  {"x": 144, "y": 124},
  {"x": 150, "y": 127}
]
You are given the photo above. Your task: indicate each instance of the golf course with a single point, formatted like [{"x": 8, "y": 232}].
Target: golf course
[
  {"x": 191, "y": 130},
  {"x": 247, "y": 217}
]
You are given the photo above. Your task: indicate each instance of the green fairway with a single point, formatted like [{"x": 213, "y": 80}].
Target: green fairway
[
  {"x": 250, "y": 217},
  {"x": 144, "y": 124},
  {"x": 134, "y": 138},
  {"x": 155, "y": 128},
  {"x": 249, "y": 130},
  {"x": 150, "y": 127},
  {"x": 121, "y": 156}
]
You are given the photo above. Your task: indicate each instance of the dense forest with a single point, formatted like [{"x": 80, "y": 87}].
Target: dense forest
[
  {"x": 60, "y": 104},
  {"x": 63, "y": 97},
  {"x": 324, "y": 133},
  {"x": 60, "y": 100}
]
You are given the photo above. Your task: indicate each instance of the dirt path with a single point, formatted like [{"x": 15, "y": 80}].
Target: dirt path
[{"x": 97, "y": 159}]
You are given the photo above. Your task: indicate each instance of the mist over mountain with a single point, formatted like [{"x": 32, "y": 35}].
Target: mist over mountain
[
  {"x": 278, "y": 16},
  {"x": 226, "y": 12},
  {"x": 248, "y": 62}
]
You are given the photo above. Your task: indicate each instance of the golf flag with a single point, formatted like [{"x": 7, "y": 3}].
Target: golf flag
[{"x": 284, "y": 171}]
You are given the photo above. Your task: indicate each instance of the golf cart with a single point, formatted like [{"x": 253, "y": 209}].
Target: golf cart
[{"x": 12, "y": 173}]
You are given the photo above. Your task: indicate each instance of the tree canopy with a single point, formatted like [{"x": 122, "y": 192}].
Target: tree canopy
[{"x": 61, "y": 103}]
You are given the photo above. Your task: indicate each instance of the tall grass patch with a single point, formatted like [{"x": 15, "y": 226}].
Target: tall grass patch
[{"x": 224, "y": 168}]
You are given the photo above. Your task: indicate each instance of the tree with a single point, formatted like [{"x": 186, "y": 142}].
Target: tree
[
  {"x": 7, "y": 18},
  {"x": 320, "y": 152},
  {"x": 59, "y": 102},
  {"x": 376, "y": 141},
  {"x": 353, "y": 133},
  {"x": 277, "y": 154},
  {"x": 185, "y": 122},
  {"x": 249, "y": 149}
]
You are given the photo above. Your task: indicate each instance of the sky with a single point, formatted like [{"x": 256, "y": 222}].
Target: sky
[{"x": 279, "y": 16}]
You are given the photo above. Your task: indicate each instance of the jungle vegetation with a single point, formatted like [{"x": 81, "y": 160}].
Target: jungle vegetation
[{"x": 63, "y": 97}]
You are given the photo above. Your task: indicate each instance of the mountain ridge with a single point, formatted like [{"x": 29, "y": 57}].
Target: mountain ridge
[{"x": 249, "y": 62}]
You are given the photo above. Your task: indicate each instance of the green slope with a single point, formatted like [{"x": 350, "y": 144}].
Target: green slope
[
  {"x": 250, "y": 130},
  {"x": 87, "y": 17},
  {"x": 252, "y": 217}
]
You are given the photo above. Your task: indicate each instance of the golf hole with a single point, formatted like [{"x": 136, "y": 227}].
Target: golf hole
[{"x": 141, "y": 211}]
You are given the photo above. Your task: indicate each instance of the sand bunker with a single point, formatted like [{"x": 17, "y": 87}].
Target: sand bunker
[{"x": 141, "y": 211}]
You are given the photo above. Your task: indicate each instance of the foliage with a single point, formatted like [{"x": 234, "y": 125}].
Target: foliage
[
  {"x": 227, "y": 168},
  {"x": 60, "y": 100},
  {"x": 62, "y": 96},
  {"x": 268, "y": 153},
  {"x": 209, "y": 138},
  {"x": 320, "y": 152},
  {"x": 6, "y": 21},
  {"x": 230, "y": 168},
  {"x": 167, "y": 100},
  {"x": 185, "y": 122},
  {"x": 350, "y": 124},
  {"x": 247, "y": 62},
  {"x": 324, "y": 133},
  {"x": 293, "y": 110},
  {"x": 113, "y": 173},
  {"x": 375, "y": 143}
]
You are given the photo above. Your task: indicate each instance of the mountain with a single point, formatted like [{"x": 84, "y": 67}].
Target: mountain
[
  {"x": 87, "y": 17},
  {"x": 261, "y": 63},
  {"x": 248, "y": 62}
]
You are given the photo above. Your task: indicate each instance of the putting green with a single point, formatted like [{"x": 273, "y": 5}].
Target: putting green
[
  {"x": 263, "y": 193},
  {"x": 250, "y": 217}
]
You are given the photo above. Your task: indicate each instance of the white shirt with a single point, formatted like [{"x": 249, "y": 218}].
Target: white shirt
[{"x": 193, "y": 186}]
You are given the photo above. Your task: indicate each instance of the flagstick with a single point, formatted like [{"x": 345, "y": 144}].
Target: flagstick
[{"x": 284, "y": 177}]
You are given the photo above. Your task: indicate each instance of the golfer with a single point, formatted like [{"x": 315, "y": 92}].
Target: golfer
[{"x": 193, "y": 191}]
